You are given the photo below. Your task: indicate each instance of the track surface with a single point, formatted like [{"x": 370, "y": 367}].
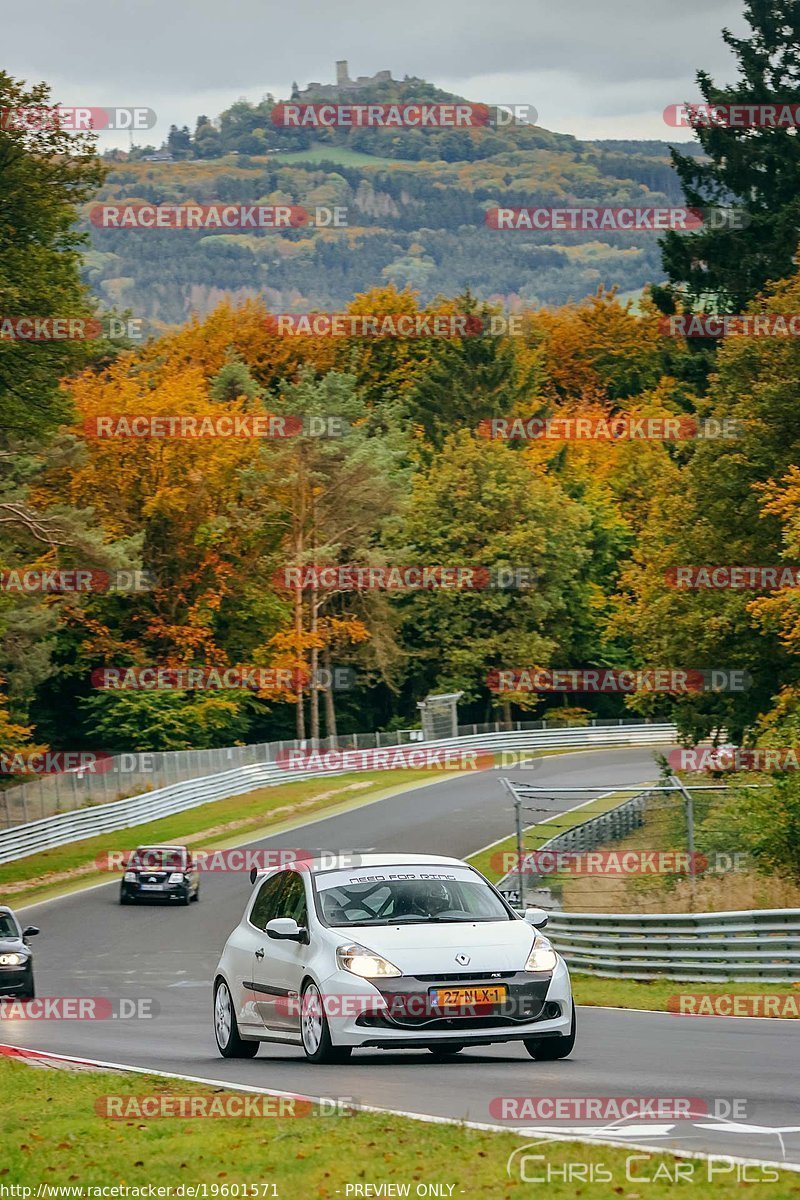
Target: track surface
[{"x": 90, "y": 946}]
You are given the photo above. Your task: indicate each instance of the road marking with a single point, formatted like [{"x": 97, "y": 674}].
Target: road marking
[{"x": 662, "y": 1012}]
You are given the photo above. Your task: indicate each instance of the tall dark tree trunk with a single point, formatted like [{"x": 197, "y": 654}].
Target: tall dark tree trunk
[{"x": 330, "y": 707}]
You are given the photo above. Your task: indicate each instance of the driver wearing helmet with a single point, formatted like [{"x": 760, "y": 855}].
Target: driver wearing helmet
[{"x": 434, "y": 898}]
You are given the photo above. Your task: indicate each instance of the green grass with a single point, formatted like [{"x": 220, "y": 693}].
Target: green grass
[
  {"x": 536, "y": 835},
  {"x": 319, "y": 153},
  {"x": 655, "y": 995},
  {"x": 51, "y": 1134}
]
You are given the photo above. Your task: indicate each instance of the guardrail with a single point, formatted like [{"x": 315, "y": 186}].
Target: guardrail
[
  {"x": 23, "y": 840},
  {"x": 123, "y": 775},
  {"x": 596, "y": 831},
  {"x": 702, "y": 947},
  {"x": 763, "y": 944}
]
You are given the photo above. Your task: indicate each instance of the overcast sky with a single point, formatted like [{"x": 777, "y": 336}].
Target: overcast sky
[{"x": 594, "y": 68}]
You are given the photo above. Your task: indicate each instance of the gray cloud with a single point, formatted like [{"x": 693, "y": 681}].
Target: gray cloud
[{"x": 593, "y": 69}]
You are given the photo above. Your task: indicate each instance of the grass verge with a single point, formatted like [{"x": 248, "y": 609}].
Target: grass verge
[
  {"x": 53, "y": 1135},
  {"x": 654, "y": 995}
]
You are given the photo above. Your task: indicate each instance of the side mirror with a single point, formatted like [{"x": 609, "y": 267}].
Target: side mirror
[
  {"x": 31, "y": 931},
  {"x": 253, "y": 874},
  {"x": 285, "y": 929},
  {"x": 537, "y": 917}
]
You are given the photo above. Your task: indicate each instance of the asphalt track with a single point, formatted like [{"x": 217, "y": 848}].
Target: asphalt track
[{"x": 90, "y": 946}]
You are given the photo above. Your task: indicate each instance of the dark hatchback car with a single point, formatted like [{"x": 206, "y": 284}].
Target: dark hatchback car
[
  {"x": 16, "y": 957},
  {"x": 160, "y": 873}
]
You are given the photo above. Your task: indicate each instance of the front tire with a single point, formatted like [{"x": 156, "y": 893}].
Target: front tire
[
  {"x": 315, "y": 1032},
  {"x": 226, "y": 1031},
  {"x": 552, "y": 1048}
]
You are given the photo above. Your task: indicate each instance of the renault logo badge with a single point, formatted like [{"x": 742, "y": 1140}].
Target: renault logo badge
[{"x": 463, "y": 959}]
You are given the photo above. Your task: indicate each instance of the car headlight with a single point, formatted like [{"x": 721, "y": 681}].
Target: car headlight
[
  {"x": 11, "y": 960},
  {"x": 130, "y": 877},
  {"x": 176, "y": 877},
  {"x": 542, "y": 956},
  {"x": 366, "y": 963}
]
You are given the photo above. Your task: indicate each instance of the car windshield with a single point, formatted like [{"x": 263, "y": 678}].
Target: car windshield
[
  {"x": 8, "y": 926},
  {"x": 157, "y": 860},
  {"x": 407, "y": 896}
]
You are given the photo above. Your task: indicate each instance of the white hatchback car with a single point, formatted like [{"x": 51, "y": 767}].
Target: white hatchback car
[{"x": 401, "y": 951}]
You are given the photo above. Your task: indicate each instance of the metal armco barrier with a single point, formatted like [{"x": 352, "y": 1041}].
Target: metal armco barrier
[
  {"x": 128, "y": 774},
  {"x": 703, "y": 947},
  {"x": 22, "y": 840}
]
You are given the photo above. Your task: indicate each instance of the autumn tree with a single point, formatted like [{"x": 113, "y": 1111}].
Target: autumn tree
[
  {"x": 480, "y": 504},
  {"x": 334, "y": 492}
]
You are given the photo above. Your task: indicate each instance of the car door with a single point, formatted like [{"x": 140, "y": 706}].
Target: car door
[
  {"x": 278, "y": 974},
  {"x": 263, "y": 910}
]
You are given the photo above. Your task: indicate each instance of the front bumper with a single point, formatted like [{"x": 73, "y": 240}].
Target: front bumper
[
  {"x": 14, "y": 978},
  {"x": 399, "y": 1012},
  {"x": 164, "y": 891}
]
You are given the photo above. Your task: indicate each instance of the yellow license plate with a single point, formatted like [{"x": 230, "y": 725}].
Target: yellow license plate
[{"x": 463, "y": 996}]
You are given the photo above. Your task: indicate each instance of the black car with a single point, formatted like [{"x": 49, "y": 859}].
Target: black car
[
  {"x": 16, "y": 957},
  {"x": 160, "y": 873}
]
